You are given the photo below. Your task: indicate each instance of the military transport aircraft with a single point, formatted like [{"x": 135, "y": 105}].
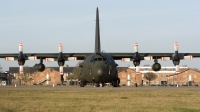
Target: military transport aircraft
[{"x": 99, "y": 67}]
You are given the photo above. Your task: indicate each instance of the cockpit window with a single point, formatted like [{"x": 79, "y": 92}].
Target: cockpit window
[
  {"x": 92, "y": 59},
  {"x": 97, "y": 59}
]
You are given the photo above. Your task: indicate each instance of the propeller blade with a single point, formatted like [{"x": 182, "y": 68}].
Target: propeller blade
[
  {"x": 61, "y": 70},
  {"x": 125, "y": 59},
  {"x": 20, "y": 47},
  {"x": 176, "y": 46},
  {"x": 60, "y": 47},
  {"x": 50, "y": 59},
  {"x": 188, "y": 57},
  {"x": 21, "y": 71},
  {"x": 10, "y": 58},
  {"x": 148, "y": 58},
  {"x": 32, "y": 58},
  {"x": 177, "y": 69},
  {"x": 72, "y": 58},
  {"x": 137, "y": 70},
  {"x": 136, "y": 47},
  {"x": 165, "y": 58}
]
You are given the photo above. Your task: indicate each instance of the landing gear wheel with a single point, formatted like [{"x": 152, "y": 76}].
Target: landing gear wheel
[
  {"x": 82, "y": 84},
  {"x": 116, "y": 82},
  {"x": 97, "y": 85}
]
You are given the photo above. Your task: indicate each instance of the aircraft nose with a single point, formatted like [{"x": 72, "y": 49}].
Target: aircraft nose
[{"x": 98, "y": 71}]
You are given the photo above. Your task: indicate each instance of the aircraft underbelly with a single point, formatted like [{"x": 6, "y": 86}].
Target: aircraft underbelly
[{"x": 95, "y": 78}]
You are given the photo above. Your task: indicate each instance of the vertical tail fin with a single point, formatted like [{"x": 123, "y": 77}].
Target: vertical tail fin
[{"x": 97, "y": 34}]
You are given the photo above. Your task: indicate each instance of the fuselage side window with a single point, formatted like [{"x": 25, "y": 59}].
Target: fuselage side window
[{"x": 95, "y": 59}]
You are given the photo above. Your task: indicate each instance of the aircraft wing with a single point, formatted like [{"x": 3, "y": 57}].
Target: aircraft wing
[
  {"x": 119, "y": 56},
  {"x": 79, "y": 56},
  {"x": 59, "y": 57},
  {"x": 136, "y": 57}
]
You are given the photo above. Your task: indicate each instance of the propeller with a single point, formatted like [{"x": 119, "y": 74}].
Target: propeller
[
  {"x": 176, "y": 58},
  {"x": 21, "y": 58},
  {"x": 137, "y": 58},
  {"x": 61, "y": 59}
]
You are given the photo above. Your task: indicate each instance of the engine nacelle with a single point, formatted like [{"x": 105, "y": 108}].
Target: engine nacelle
[
  {"x": 176, "y": 62},
  {"x": 40, "y": 67},
  {"x": 136, "y": 63},
  {"x": 61, "y": 63},
  {"x": 21, "y": 62},
  {"x": 156, "y": 67}
]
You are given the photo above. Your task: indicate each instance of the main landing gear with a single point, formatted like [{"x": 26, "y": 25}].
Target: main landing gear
[
  {"x": 116, "y": 82},
  {"x": 82, "y": 84}
]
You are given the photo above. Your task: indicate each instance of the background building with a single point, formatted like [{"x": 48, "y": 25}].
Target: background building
[
  {"x": 31, "y": 76},
  {"x": 166, "y": 76},
  {"x": 128, "y": 76}
]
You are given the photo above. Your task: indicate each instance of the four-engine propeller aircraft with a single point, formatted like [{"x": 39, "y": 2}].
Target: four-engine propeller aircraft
[{"x": 99, "y": 67}]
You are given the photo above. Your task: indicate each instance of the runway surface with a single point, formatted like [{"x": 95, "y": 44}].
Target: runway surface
[{"x": 98, "y": 88}]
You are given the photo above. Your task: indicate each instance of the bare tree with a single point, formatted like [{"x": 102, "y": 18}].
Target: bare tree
[
  {"x": 196, "y": 69},
  {"x": 26, "y": 76},
  {"x": 150, "y": 76},
  {"x": 76, "y": 72}
]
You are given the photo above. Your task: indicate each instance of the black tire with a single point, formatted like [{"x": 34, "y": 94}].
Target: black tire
[
  {"x": 82, "y": 84},
  {"x": 116, "y": 82}
]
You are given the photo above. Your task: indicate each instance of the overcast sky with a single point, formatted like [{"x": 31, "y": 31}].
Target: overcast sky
[{"x": 155, "y": 24}]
